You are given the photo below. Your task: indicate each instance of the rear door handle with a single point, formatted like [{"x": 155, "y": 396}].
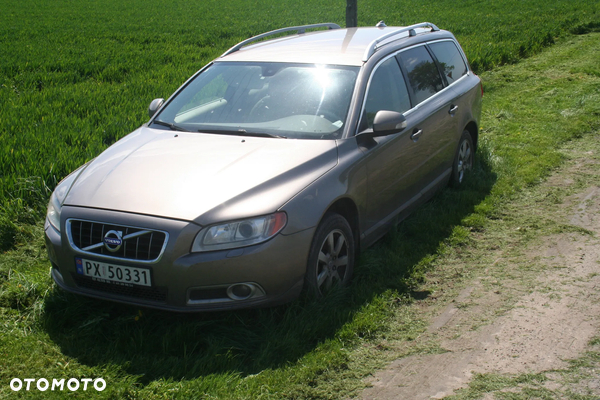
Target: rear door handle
[
  {"x": 453, "y": 110},
  {"x": 415, "y": 135}
]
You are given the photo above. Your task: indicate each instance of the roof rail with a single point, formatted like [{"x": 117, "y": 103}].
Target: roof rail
[
  {"x": 374, "y": 45},
  {"x": 299, "y": 29}
]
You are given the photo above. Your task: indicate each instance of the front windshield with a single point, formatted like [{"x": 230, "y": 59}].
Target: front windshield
[{"x": 302, "y": 101}]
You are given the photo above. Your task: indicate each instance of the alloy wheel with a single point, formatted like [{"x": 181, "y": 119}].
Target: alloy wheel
[
  {"x": 333, "y": 260},
  {"x": 465, "y": 159}
]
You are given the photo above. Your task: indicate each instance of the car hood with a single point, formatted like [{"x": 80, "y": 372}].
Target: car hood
[{"x": 200, "y": 177}]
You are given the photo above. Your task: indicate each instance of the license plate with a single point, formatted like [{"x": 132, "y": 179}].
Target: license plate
[{"x": 111, "y": 273}]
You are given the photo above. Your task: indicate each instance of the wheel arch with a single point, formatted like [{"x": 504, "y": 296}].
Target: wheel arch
[
  {"x": 472, "y": 129},
  {"x": 347, "y": 209}
]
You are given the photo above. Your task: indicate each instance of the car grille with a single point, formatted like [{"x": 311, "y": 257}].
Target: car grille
[
  {"x": 137, "y": 243},
  {"x": 157, "y": 294}
]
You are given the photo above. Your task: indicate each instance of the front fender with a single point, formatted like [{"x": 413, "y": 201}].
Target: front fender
[{"x": 347, "y": 180}]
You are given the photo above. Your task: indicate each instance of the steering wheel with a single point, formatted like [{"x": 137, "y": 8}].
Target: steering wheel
[{"x": 257, "y": 109}]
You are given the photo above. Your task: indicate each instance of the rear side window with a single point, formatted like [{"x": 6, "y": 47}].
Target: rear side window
[
  {"x": 450, "y": 60},
  {"x": 423, "y": 75}
]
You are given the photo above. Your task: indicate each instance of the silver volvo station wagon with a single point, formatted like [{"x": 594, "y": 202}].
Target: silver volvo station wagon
[{"x": 269, "y": 169}]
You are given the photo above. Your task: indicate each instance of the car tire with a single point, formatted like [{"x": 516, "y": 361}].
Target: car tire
[
  {"x": 463, "y": 159},
  {"x": 331, "y": 257}
]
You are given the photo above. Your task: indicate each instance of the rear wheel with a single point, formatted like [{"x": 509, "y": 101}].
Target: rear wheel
[
  {"x": 331, "y": 257},
  {"x": 463, "y": 160}
]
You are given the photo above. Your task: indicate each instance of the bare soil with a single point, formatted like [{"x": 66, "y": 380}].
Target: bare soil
[{"x": 543, "y": 311}]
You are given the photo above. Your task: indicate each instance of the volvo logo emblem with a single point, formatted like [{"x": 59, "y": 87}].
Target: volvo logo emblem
[{"x": 113, "y": 240}]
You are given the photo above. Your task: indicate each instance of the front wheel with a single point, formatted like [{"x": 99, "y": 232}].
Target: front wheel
[
  {"x": 463, "y": 160},
  {"x": 331, "y": 257}
]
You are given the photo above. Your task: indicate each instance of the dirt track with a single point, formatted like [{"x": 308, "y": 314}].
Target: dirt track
[{"x": 524, "y": 322}]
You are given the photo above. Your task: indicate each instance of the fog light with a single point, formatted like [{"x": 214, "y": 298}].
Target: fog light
[
  {"x": 224, "y": 293},
  {"x": 241, "y": 291}
]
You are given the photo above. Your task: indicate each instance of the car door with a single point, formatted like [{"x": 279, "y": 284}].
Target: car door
[
  {"x": 452, "y": 65},
  {"x": 393, "y": 173},
  {"x": 432, "y": 115}
]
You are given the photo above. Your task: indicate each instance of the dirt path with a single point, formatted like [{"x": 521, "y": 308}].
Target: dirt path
[{"x": 543, "y": 311}]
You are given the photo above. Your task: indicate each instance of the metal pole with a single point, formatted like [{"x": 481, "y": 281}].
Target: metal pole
[{"x": 351, "y": 14}]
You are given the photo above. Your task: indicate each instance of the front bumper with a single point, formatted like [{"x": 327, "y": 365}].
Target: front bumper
[{"x": 183, "y": 281}]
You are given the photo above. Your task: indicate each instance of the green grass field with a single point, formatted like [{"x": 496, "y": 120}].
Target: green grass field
[{"x": 77, "y": 76}]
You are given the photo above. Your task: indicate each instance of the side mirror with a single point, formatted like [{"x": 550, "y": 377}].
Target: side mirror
[
  {"x": 154, "y": 106},
  {"x": 388, "y": 122}
]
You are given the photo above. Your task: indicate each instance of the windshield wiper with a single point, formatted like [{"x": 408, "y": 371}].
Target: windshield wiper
[
  {"x": 241, "y": 132},
  {"x": 170, "y": 125}
]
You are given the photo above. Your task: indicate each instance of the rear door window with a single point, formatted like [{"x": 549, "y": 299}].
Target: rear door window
[
  {"x": 451, "y": 61},
  {"x": 423, "y": 75}
]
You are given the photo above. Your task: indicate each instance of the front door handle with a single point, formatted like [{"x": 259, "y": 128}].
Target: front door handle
[
  {"x": 453, "y": 110},
  {"x": 415, "y": 135}
]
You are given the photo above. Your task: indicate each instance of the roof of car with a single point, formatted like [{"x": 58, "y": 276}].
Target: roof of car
[{"x": 334, "y": 46}]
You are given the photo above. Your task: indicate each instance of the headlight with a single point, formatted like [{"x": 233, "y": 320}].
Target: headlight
[
  {"x": 53, "y": 214},
  {"x": 58, "y": 198},
  {"x": 239, "y": 233}
]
